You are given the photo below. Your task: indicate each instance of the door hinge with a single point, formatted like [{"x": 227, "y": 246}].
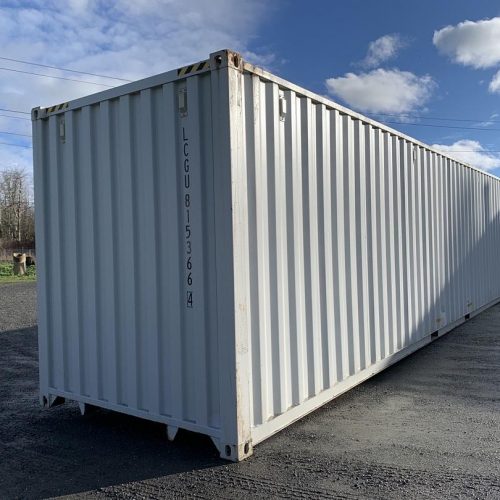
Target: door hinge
[
  {"x": 282, "y": 108},
  {"x": 62, "y": 130},
  {"x": 183, "y": 105}
]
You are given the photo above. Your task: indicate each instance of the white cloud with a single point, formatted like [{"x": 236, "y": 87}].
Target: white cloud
[
  {"x": 384, "y": 48},
  {"x": 127, "y": 39},
  {"x": 494, "y": 86},
  {"x": 383, "y": 91},
  {"x": 15, "y": 157},
  {"x": 471, "y": 152},
  {"x": 263, "y": 60},
  {"x": 471, "y": 43},
  {"x": 489, "y": 122}
]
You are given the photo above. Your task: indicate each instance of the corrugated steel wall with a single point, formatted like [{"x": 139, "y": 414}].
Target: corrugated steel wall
[
  {"x": 361, "y": 243},
  {"x": 125, "y": 231},
  {"x": 231, "y": 266}
]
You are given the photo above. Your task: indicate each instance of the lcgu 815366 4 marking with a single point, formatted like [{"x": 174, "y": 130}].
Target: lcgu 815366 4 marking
[{"x": 187, "y": 219}]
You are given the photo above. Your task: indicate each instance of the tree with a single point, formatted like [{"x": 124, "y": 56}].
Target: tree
[{"x": 16, "y": 208}]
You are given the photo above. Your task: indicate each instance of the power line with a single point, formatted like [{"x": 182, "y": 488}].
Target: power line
[
  {"x": 56, "y": 77},
  {"x": 16, "y": 117},
  {"x": 438, "y": 118},
  {"x": 64, "y": 69},
  {"x": 469, "y": 150},
  {"x": 15, "y": 145},
  {"x": 16, "y": 111},
  {"x": 442, "y": 126},
  {"x": 15, "y": 133}
]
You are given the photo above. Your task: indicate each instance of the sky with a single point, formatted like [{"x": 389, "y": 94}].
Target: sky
[{"x": 430, "y": 69}]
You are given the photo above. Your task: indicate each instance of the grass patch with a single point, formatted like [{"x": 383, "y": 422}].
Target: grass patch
[{"x": 7, "y": 273}]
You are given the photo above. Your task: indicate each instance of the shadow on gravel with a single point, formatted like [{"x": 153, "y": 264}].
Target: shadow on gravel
[
  {"x": 51, "y": 452},
  {"x": 426, "y": 427}
]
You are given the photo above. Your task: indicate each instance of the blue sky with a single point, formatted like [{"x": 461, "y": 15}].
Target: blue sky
[{"x": 415, "y": 61}]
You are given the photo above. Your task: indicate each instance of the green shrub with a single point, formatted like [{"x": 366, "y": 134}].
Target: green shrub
[
  {"x": 7, "y": 273},
  {"x": 6, "y": 269}
]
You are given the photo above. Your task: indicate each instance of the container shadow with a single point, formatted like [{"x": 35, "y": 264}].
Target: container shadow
[{"x": 52, "y": 452}]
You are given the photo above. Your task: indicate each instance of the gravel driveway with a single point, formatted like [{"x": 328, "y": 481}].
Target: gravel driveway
[
  {"x": 17, "y": 305},
  {"x": 427, "y": 427}
]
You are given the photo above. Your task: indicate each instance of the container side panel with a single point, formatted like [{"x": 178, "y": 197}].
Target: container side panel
[
  {"x": 208, "y": 264},
  {"x": 263, "y": 269},
  {"x": 272, "y": 158},
  {"x": 375, "y": 224},
  {"x": 125, "y": 204},
  {"x": 56, "y": 217},
  {"x": 295, "y": 242},
  {"x": 342, "y": 340},
  {"x": 106, "y": 263},
  {"x": 251, "y": 113},
  {"x": 299, "y": 248},
  {"x": 170, "y": 265},
  {"x": 70, "y": 286},
  {"x": 326, "y": 247},
  {"x": 362, "y": 202},
  {"x": 361, "y": 245},
  {"x": 146, "y": 166}
]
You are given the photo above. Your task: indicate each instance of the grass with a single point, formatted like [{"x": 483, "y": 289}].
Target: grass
[{"x": 7, "y": 273}]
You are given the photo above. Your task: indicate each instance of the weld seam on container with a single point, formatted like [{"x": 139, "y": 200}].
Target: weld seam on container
[{"x": 223, "y": 251}]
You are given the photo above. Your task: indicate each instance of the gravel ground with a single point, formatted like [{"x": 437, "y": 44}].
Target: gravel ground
[
  {"x": 427, "y": 427},
  {"x": 17, "y": 305}
]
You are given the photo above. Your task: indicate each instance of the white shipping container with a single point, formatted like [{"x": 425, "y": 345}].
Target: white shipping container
[{"x": 223, "y": 251}]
